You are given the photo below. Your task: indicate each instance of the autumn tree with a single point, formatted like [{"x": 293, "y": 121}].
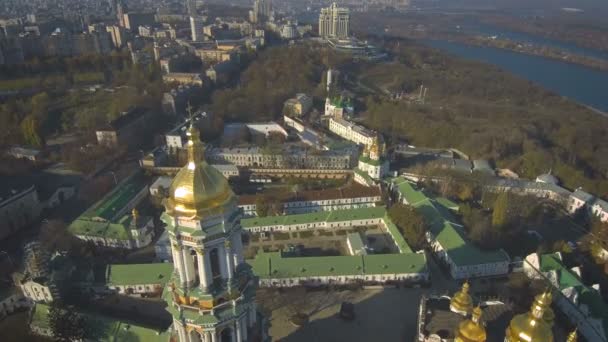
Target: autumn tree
[
  {"x": 411, "y": 224},
  {"x": 66, "y": 324},
  {"x": 501, "y": 210}
]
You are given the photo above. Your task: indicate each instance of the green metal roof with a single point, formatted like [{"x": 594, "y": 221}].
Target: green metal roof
[
  {"x": 116, "y": 200},
  {"x": 365, "y": 176},
  {"x": 316, "y": 217},
  {"x": 566, "y": 278},
  {"x": 447, "y": 203},
  {"x": 276, "y": 266},
  {"x": 441, "y": 222},
  {"x": 139, "y": 274},
  {"x": 368, "y": 160},
  {"x": 407, "y": 191},
  {"x": 396, "y": 235}
]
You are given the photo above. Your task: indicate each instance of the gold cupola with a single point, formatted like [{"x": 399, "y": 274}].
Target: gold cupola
[
  {"x": 573, "y": 337},
  {"x": 198, "y": 188},
  {"x": 471, "y": 330},
  {"x": 462, "y": 302},
  {"x": 532, "y": 326}
]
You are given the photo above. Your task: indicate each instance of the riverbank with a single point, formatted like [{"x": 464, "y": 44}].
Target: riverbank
[{"x": 536, "y": 50}]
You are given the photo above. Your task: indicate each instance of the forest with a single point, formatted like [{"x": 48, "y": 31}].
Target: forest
[
  {"x": 491, "y": 114},
  {"x": 477, "y": 108}
]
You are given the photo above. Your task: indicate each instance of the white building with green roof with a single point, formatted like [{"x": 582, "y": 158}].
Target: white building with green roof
[
  {"x": 114, "y": 222},
  {"x": 138, "y": 279},
  {"x": 582, "y": 304},
  {"x": 276, "y": 270},
  {"x": 447, "y": 238}
]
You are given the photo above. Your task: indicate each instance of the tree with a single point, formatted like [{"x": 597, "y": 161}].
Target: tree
[
  {"x": 500, "y": 213},
  {"x": 268, "y": 205},
  {"x": 411, "y": 224},
  {"x": 30, "y": 129},
  {"x": 66, "y": 324}
]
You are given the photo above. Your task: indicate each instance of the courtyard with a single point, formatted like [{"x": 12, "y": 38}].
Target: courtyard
[{"x": 320, "y": 242}]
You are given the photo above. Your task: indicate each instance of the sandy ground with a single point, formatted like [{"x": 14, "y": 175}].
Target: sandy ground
[{"x": 381, "y": 315}]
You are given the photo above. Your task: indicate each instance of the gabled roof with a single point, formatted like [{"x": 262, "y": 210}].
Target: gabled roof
[{"x": 139, "y": 274}]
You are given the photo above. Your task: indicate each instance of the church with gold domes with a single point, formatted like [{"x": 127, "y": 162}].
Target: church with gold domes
[
  {"x": 211, "y": 294},
  {"x": 458, "y": 319}
]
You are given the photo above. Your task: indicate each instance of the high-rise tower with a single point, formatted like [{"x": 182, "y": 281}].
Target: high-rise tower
[
  {"x": 211, "y": 293},
  {"x": 334, "y": 22}
]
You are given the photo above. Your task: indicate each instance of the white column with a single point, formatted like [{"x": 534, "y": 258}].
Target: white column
[
  {"x": 188, "y": 266},
  {"x": 208, "y": 267},
  {"x": 222, "y": 259},
  {"x": 181, "y": 333},
  {"x": 229, "y": 260},
  {"x": 237, "y": 248},
  {"x": 178, "y": 262},
  {"x": 213, "y": 336},
  {"x": 237, "y": 330},
  {"x": 203, "y": 274},
  {"x": 252, "y": 314},
  {"x": 243, "y": 322}
]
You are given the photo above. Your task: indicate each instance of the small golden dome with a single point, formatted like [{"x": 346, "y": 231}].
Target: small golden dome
[
  {"x": 197, "y": 187},
  {"x": 531, "y": 326},
  {"x": 462, "y": 302},
  {"x": 573, "y": 337},
  {"x": 471, "y": 330},
  {"x": 135, "y": 213}
]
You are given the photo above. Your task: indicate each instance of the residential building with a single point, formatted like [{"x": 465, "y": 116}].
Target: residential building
[
  {"x": 599, "y": 208},
  {"x": 175, "y": 102},
  {"x": 579, "y": 199},
  {"x": 114, "y": 222},
  {"x": 277, "y": 270},
  {"x": 124, "y": 130},
  {"x": 447, "y": 238},
  {"x": 11, "y": 300},
  {"x": 211, "y": 295},
  {"x": 132, "y": 21},
  {"x": 350, "y": 131},
  {"x": 261, "y": 12},
  {"x": 376, "y": 216},
  {"x": 334, "y": 22},
  {"x": 289, "y": 157},
  {"x": 19, "y": 206},
  {"x": 19, "y": 152},
  {"x": 583, "y": 305},
  {"x": 298, "y": 106},
  {"x": 184, "y": 78},
  {"x": 299, "y": 202},
  {"x": 196, "y": 29},
  {"x": 47, "y": 281},
  {"x": 138, "y": 279},
  {"x": 118, "y": 35}
]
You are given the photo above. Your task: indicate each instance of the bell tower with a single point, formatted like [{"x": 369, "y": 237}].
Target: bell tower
[{"x": 211, "y": 294}]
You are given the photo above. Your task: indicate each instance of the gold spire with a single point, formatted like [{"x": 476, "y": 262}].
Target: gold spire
[
  {"x": 532, "y": 326},
  {"x": 573, "y": 337},
  {"x": 198, "y": 187},
  {"x": 471, "y": 330},
  {"x": 462, "y": 302}
]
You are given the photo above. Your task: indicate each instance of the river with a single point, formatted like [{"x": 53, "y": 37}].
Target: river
[{"x": 582, "y": 84}]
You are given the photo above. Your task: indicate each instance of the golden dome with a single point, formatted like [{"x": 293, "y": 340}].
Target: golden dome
[
  {"x": 462, "y": 302},
  {"x": 572, "y": 337},
  {"x": 549, "y": 316},
  {"x": 198, "y": 188},
  {"x": 531, "y": 326},
  {"x": 471, "y": 330}
]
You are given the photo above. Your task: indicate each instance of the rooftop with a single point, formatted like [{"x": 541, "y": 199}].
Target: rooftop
[
  {"x": 108, "y": 329},
  {"x": 126, "y": 118},
  {"x": 353, "y": 191},
  {"x": 275, "y": 265},
  {"x": 138, "y": 274},
  {"x": 323, "y": 216},
  {"x": 116, "y": 200}
]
